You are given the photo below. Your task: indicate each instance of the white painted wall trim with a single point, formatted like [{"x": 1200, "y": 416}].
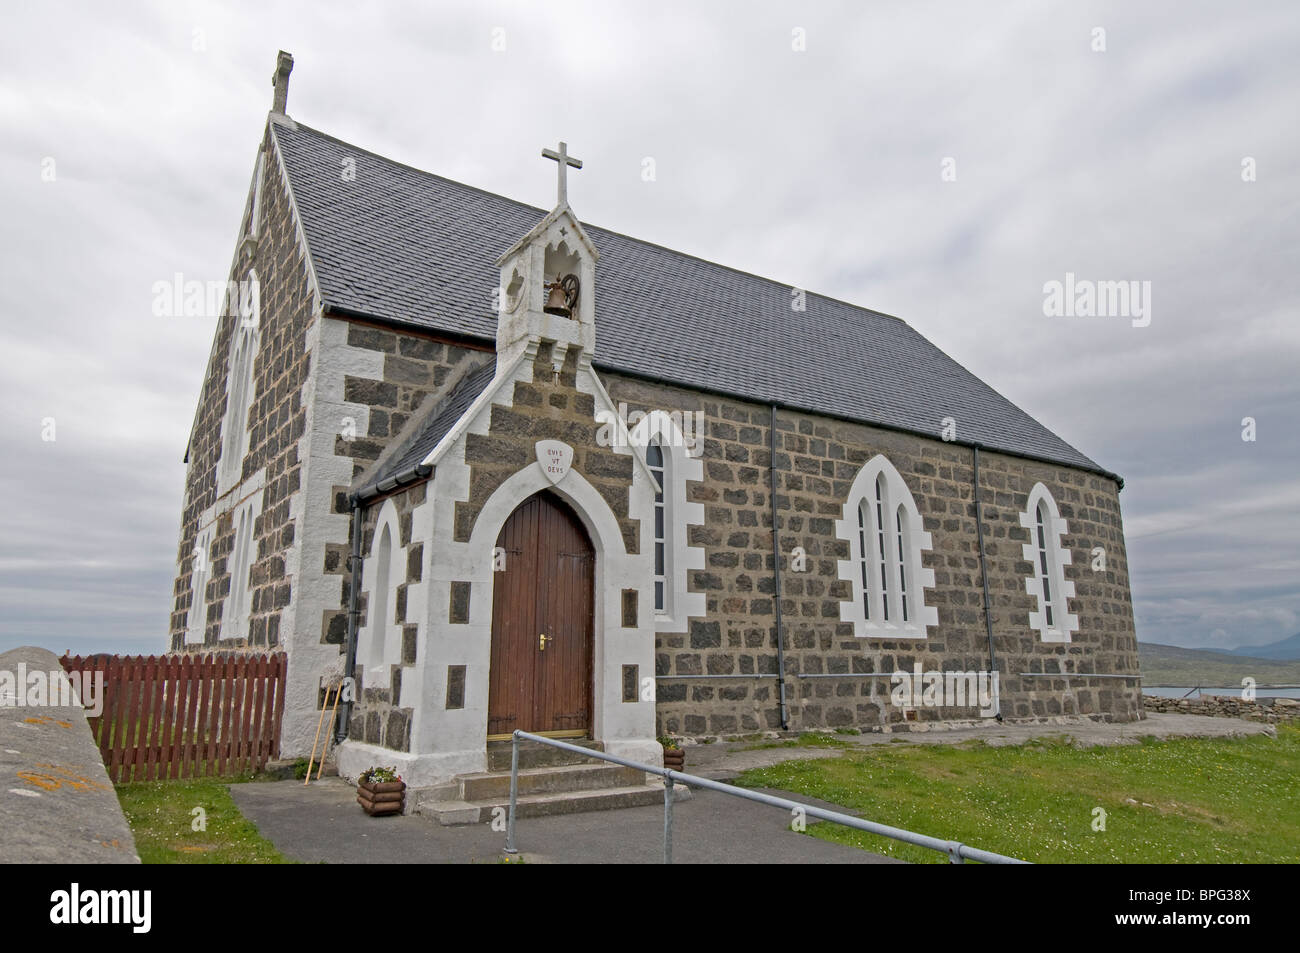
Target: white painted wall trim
[
  {"x": 681, "y": 514},
  {"x": 1058, "y": 557},
  {"x": 377, "y": 658},
  {"x": 916, "y": 539},
  {"x": 241, "y": 384},
  {"x": 316, "y": 523},
  {"x": 239, "y": 563}
]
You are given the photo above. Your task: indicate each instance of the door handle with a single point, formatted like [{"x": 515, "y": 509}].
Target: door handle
[{"x": 542, "y": 640}]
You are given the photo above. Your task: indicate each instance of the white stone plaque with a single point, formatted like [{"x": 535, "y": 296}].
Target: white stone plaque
[{"x": 555, "y": 457}]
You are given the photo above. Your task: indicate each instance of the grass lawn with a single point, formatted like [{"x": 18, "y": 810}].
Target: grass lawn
[
  {"x": 1192, "y": 800},
  {"x": 161, "y": 815}
]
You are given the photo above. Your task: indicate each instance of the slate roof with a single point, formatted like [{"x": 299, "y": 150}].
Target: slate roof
[{"x": 416, "y": 249}]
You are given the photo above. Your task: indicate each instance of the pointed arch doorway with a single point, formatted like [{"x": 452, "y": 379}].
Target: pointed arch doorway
[{"x": 540, "y": 670}]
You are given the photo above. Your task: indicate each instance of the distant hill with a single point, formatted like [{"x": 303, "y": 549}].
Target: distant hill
[
  {"x": 1288, "y": 649},
  {"x": 1172, "y": 665}
]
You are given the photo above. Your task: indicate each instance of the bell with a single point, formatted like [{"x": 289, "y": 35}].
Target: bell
[{"x": 556, "y": 299}]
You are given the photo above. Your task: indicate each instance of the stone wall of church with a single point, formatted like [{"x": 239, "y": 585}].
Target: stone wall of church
[
  {"x": 276, "y": 421},
  {"x": 549, "y": 407},
  {"x": 817, "y": 459},
  {"x": 412, "y": 370}
]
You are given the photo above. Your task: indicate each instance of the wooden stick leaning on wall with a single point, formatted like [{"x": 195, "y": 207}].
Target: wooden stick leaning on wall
[
  {"x": 315, "y": 741},
  {"x": 329, "y": 731}
]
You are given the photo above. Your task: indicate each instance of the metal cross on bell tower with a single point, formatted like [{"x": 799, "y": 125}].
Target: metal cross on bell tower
[{"x": 564, "y": 160}]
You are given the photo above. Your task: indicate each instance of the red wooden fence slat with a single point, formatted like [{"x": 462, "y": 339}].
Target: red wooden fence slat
[
  {"x": 259, "y": 703},
  {"x": 250, "y": 706},
  {"x": 201, "y": 726},
  {"x": 255, "y": 723},
  {"x": 221, "y": 690},
  {"x": 177, "y": 718},
  {"x": 236, "y": 765},
  {"x": 134, "y": 760},
  {"x": 108, "y": 744},
  {"x": 167, "y": 711},
  {"x": 107, "y": 688},
  {"x": 191, "y": 667},
  {"x": 246, "y": 729},
  {"x": 227, "y": 685},
  {"x": 280, "y": 662},
  {"x": 174, "y": 718},
  {"x": 157, "y": 715},
  {"x": 150, "y": 718},
  {"x": 125, "y": 718}
]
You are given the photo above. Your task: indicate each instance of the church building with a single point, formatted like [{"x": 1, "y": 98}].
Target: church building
[{"x": 509, "y": 470}]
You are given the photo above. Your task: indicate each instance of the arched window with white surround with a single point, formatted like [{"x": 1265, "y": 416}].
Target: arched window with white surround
[
  {"x": 378, "y": 644},
  {"x": 1047, "y": 583},
  {"x": 243, "y": 553},
  {"x": 245, "y": 337},
  {"x": 655, "y": 460},
  {"x": 884, "y": 531},
  {"x": 672, "y": 463}
]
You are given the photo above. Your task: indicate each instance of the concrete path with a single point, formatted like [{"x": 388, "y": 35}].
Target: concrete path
[
  {"x": 725, "y": 760},
  {"x": 323, "y": 823}
]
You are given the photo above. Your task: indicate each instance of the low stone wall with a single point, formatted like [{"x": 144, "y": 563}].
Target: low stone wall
[
  {"x": 57, "y": 804},
  {"x": 1271, "y": 710}
]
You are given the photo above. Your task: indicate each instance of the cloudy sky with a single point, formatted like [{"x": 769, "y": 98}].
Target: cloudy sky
[{"x": 1155, "y": 145}]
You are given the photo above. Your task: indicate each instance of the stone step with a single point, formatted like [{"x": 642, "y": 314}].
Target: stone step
[
  {"x": 555, "y": 779},
  {"x": 534, "y": 755},
  {"x": 451, "y": 813}
]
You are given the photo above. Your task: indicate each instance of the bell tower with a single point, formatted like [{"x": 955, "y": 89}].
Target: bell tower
[{"x": 548, "y": 281}]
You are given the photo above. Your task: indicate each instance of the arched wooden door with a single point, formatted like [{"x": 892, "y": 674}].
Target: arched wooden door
[{"x": 540, "y": 675}]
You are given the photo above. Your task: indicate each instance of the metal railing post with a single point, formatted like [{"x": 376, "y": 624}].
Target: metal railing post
[
  {"x": 668, "y": 819},
  {"x": 514, "y": 793}
]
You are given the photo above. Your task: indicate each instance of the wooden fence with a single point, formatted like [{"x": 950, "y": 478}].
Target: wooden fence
[{"x": 181, "y": 716}]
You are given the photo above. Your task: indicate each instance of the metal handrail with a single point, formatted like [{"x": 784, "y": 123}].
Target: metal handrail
[{"x": 957, "y": 852}]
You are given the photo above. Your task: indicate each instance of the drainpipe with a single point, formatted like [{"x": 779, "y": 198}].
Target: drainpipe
[
  {"x": 984, "y": 571},
  {"x": 776, "y": 586},
  {"x": 354, "y": 566}
]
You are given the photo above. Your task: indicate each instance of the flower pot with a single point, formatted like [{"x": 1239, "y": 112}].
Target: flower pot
[
  {"x": 674, "y": 759},
  {"x": 380, "y": 798}
]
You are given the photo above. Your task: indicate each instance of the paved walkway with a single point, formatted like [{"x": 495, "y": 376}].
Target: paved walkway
[
  {"x": 727, "y": 759},
  {"x": 322, "y": 823}
]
